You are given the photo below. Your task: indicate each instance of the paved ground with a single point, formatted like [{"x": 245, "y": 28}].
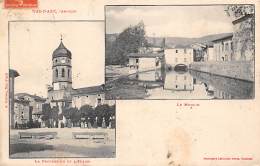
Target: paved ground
[{"x": 62, "y": 146}]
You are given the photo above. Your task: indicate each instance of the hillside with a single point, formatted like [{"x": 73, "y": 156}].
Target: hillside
[{"x": 172, "y": 41}]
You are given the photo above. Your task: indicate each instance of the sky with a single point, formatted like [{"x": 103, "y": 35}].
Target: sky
[
  {"x": 170, "y": 21},
  {"x": 32, "y": 44}
]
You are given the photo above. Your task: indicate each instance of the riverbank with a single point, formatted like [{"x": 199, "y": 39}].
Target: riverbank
[
  {"x": 123, "y": 88},
  {"x": 115, "y": 71},
  {"x": 243, "y": 70},
  {"x": 125, "y": 85}
]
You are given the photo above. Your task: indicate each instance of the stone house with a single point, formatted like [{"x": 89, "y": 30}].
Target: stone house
[
  {"x": 223, "y": 48},
  {"x": 199, "y": 52},
  {"x": 210, "y": 56},
  {"x": 92, "y": 96},
  {"x": 203, "y": 52},
  {"x": 180, "y": 55},
  {"x": 145, "y": 61},
  {"x": 35, "y": 102},
  {"x": 22, "y": 113}
]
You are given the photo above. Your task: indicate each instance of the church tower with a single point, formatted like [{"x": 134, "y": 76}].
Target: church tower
[
  {"x": 61, "y": 68},
  {"x": 59, "y": 94}
]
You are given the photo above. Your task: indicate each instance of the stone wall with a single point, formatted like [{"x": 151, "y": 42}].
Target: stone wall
[
  {"x": 226, "y": 88},
  {"x": 235, "y": 69}
]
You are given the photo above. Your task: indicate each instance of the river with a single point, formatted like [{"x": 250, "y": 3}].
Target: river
[{"x": 158, "y": 84}]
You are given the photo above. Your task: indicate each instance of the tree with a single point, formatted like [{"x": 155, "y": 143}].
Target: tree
[
  {"x": 128, "y": 41},
  {"x": 244, "y": 34},
  {"x": 49, "y": 115},
  {"x": 67, "y": 112},
  {"x": 102, "y": 111},
  {"x": 112, "y": 114},
  {"x": 71, "y": 116},
  {"x": 46, "y": 112},
  {"x": 111, "y": 110},
  {"x": 237, "y": 11},
  {"x": 75, "y": 117},
  {"x": 86, "y": 111},
  {"x": 54, "y": 116}
]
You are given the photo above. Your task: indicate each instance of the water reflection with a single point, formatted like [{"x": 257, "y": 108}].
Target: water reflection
[
  {"x": 159, "y": 84},
  {"x": 178, "y": 81}
]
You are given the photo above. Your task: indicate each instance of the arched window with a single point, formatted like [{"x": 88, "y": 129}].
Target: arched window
[
  {"x": 62, "y": 73},
  {"x": 57, "y": 72},
  {"x": 68, "y": 73}
]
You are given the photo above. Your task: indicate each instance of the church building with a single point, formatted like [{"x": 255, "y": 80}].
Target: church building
[{"x": 61, "y": 94}]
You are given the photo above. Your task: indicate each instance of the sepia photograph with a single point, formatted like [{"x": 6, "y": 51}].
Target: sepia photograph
[
  {"x": 57, "y": 106},
  {"x": 129, "y": 83},
  {"x": 180, "y": 52}
]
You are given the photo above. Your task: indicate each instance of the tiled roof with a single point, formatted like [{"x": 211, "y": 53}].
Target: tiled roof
[
  {"x": 209, "y": 44},
  {"x": 88, "y": 90},
  {"x": 145, "y": 55},
  {"x": 62, "y": 100},
  {"x": 24, "y": 102},
  {"x": 182, "y": 46},
  {"x": 226, "y": 36},
  {"x": 204, "y": 44},
  {"x": 35, "y": 97},
  {"x": 242, "y": 18}
]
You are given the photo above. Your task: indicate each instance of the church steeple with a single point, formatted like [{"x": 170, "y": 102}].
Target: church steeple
[
  {"x": 61, "y": 60},
  {"x": 61, "y": 51}
]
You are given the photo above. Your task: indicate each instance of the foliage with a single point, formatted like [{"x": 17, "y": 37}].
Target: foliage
[
  {"x": 112, "y": 110},
  {"x": 86, "y": 111},
  {"x": 237, "y": 11},
  {"x": 101, "y": 110},
  {"x": 68, "y": 112},
  {"x": 54, "y": 113},
  {"x": 243, "y": 37},
  {"x": 49, "y": 114},
  {"x": 46, "y": 111},
  {"x": 128, "y": 41},
  {"x": 75, "y": 117},
  {"x": 104, "y": 111}
]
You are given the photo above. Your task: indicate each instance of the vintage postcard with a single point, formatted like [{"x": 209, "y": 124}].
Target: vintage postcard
[
  {"x": 166, "y": 57},
  {"x": 54, "y": 112},
  {"x": 147, "y": 83}
]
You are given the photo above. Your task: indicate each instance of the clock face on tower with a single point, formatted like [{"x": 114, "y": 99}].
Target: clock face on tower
[{"x": 63, "y": 61}]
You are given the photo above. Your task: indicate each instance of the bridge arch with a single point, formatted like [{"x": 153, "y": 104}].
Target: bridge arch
[{"x": 181, "y": 67}]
